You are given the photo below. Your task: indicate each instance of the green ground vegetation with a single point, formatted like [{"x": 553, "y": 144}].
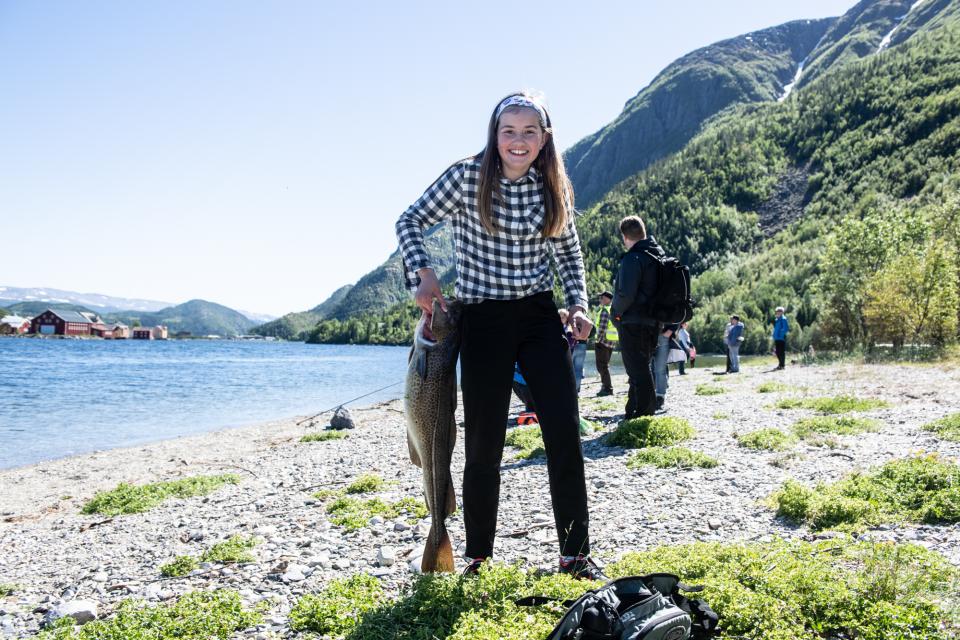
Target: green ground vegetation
[
  {"x": 839, "y": 425},
  {"x": 772, "y": 387},
  {"x": 367, "y": 483},
  {"x": 234, "y": 549},
  {"x": 779, "y": 590},
  {"x": 528, "y": 440},
  {"x": 706, "y": 389},
  {"x": 835, "y": 404},
  {"x": 353, "y": 513},
  {"x": 8, "y": 588},
  {"x": 768, "y": 439},
  {"x": 323, "y": 436},
  {"x": 649, "y": 431},
  {"x": 720, "y": 415},
  {"x": 198, "y": 615},
  {"x": 180, "y": 566},
  {"x": 671, "y": 457},
  {"x": 916, "y": 489},
  {"x": 128, "y": 498},
  {"x": 947, "y": 427}
]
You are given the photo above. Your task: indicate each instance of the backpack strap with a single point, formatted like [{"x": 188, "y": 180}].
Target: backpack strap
[{"x": 536, "y": 601}]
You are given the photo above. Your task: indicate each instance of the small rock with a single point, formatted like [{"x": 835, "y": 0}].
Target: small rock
[
  {"x": 82, "y": 611},
  {"x": 714, "y": 523},
  {"x": 386, "y": 556},
  {"x": 342, "y": 419}
]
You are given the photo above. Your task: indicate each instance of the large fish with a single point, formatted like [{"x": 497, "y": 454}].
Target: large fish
[{"x": 430, "y": 401}]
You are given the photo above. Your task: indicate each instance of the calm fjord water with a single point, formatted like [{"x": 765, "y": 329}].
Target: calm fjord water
[{"x": 64, "y": 397}]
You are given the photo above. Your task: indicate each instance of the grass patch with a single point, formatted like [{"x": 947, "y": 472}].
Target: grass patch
[
  {"x": 832, "y": 405},
  {"x": 180, "y": 566},
  {"x": 671, "y": 458},
  {"x": 528, "y": 440},
  {"x": 198, "y": 615},
  {"x": 233, "y": 549},
  {"x": 354, "y": 513},
  {"x": 323, "y": 436},
  {"x": 720, "y": 415},
  {"x": 649, "y": 431},
  {"x": 367, "y": 483},
  {"x": 769, "y": 439},
  {"x": 129, "y": 498},
  {"x": 707, "y": 389},
  {"x": 947, "y": 427},
  {"x": 915, "y": 489},
  {"x": 772, "y": 387},
  {"x": 780, "y": 590},
  {"x": 839, "y": 425},
  {"x": 8, "y": 588}
]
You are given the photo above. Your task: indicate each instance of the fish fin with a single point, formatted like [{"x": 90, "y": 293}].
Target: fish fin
[
  {"x": 439, "y": 558},
  {"x": 422, "y": 365},
  {"x": 414, "y": 454}
]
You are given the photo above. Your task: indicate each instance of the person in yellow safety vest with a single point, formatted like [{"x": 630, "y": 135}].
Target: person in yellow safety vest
[{"x": 606, "y": 340}]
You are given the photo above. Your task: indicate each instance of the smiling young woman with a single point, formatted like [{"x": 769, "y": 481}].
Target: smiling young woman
[{"x": 511, "y": 209}]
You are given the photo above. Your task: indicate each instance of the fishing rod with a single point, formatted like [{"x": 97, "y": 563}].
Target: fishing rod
[{"x": 335, "y": 407}]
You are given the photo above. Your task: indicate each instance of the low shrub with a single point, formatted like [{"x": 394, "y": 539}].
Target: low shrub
[
  {"x": 707, "y": 389},
  {"x": 233, "y": 549},
  {"x": 129, "y": 498},
  {"x": 779, "y": 590},
  {"x": 842, "y": 425},
  {"x": 354, "y": 513},
  {"x": 198, "y": 615},
  {"x": 649, "y": 431},
  {"x": 671, "y": 457},
  {"x": 772, "y": 387},
  {"x": 915, "y": 489},
  {"x": 8, "y": 588},
  {"x": 529, "y": 440},
  {"x": 323, "y": 436},
  {"x": 180, "y": 566},
  {"x": 829, "y": 405},
  {"x": 947, "y": 427},
  {"x": 367, "y": 483},
  {"x": 769, "y": 439}
]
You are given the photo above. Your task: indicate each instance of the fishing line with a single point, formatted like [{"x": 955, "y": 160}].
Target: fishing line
[{"x": 335, "y": 407}]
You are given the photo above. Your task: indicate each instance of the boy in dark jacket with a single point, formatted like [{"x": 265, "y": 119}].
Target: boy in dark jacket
[{"x": 635, "y": 287}]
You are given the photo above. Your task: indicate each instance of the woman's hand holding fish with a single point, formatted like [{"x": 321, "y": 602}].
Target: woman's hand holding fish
[{"x": 427, "y": 290}]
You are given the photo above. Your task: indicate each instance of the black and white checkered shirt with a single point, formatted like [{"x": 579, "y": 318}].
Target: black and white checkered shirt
[{"x": 511, "y": 264}]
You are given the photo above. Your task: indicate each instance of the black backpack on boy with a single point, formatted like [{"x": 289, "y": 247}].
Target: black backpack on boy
[
  {"x": 647, "y": 607},
  {"x": 672, "y": 303}
]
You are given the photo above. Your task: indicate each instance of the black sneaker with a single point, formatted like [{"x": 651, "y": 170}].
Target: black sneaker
[
  {"x": 582, "y": 568},
  {"x": 604, "y": 392},
  {"x": 473, "y": 567},
  {"x": 660, "y": 401}
]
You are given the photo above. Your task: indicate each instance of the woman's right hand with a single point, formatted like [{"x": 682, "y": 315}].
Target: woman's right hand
[{"x": 427, "y": 290}]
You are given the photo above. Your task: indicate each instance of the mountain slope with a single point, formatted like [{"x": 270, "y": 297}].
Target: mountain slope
[
  {"x": 94, "y": 301},
  {"x": 663, "y": 117},
  {"x": 198, "y": 317}
]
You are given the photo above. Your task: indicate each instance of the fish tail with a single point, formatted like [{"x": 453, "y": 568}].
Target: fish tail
[{"x": 438, "y": 557}]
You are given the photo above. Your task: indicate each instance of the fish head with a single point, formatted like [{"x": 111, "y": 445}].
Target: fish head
[{"x": 445, "y": 324}]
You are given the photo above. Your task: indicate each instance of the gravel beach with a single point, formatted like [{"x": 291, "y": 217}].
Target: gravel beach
[{"x": 54, "y": 554}]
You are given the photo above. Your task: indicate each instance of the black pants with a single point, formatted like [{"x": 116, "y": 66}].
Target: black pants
[
  {"x": 602, "y": 354},
  {"x": 495, "y": 334},
  {"x": 780, "y": 346},
  {"x": 638, "y": 344}
]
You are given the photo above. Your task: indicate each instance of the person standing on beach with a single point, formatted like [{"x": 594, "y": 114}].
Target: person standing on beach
[
  {"x": 606, "y": 340},
  {"x": 511, "y": 209},
  {"x": 636, "y": 285},
  {"x": 780, "y": 329},
  {"x": 734, "y": 338}
]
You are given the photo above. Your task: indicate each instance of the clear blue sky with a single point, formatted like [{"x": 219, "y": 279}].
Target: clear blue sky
[{"x": 257, "y": 154}]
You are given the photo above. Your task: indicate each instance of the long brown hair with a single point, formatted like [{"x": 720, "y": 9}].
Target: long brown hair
[{"x": 557, "y": 190}]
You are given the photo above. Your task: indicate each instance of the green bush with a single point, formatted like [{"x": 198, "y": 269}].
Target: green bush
[
  {"x": 706, "y": 389},
  {"x": 8, "y": 588},
  {"x": 233, "y": 549},
  {"x": 367, "y": 483},
  {"x": 129, "y": 498},
  {"x": 838, "y": 404},
  {"x": 947, "y": 427},
  {"x": 648, "y": 431},
  {"x": 843, "y": 425},
  {"x": 180, "y": 566},
  {"x": 779, "y": 590},
  {"x": 769, "y": 439},
  {"x": 529, "y": 440},
  {"x": 772, "y": 387},
  {"x": 671, "y": 457},
  {"x": 198, "y": 615},
  {"x": 915, "y": 489},
  {"x": 354, "y": 513},
  {"x": 323, "y": 436}
]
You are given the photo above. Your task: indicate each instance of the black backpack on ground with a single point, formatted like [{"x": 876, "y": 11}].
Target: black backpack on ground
[
  {"x": 647, "y": 607},
  {"x": 672, "y": 303}
]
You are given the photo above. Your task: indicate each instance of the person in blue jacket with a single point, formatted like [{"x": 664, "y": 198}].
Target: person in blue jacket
[
  {"x": 734, "y": 338},
  {"x": 780, "y": 329}
]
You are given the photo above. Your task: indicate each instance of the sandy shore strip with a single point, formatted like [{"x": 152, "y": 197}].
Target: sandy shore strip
[{"x": 53, "y": 553}]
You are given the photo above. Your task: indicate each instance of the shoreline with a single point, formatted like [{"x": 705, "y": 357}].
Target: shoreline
[{"x": 54, "y": 553}]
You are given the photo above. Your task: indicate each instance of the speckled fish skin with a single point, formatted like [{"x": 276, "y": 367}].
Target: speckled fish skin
[{"x": 430, "y": 402}]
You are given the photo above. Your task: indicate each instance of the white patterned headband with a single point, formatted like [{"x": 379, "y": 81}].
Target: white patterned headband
[{"x": 523, "y": 101}]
